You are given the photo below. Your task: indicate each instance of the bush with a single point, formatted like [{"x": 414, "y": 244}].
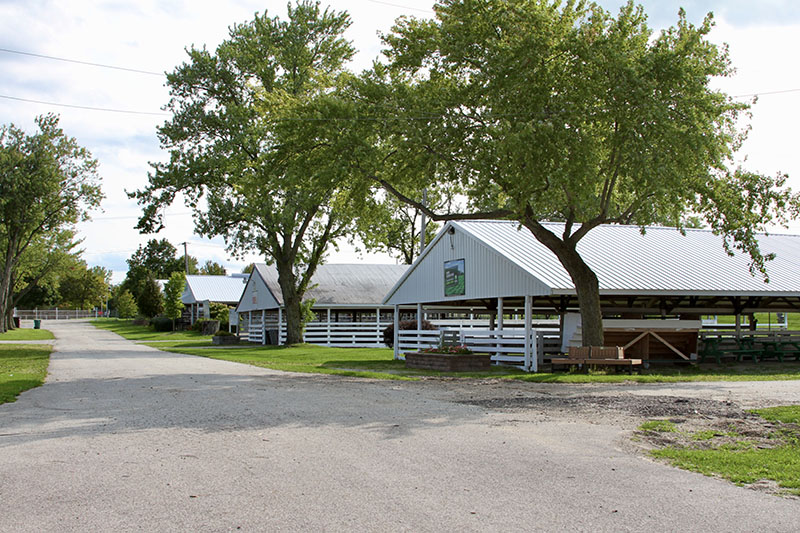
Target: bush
[
  {"x": 161, "y": 323},
  {"x": 388, "y": 333},
  {"x": 141, "y": 321},
  {"x": 223, "y": 333},
  {"x": 219, "y": 311}
]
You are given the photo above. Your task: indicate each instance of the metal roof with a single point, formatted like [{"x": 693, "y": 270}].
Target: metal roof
[
  {"x": 342, "y": 284},
  {"x": 224, "y": 289},
  {"x": 626, "y": 261}
]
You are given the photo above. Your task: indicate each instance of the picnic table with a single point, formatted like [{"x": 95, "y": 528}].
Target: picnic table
[{"x": 757, "y": 349}]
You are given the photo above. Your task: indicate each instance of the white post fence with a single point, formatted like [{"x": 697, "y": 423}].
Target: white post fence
[{"x": 506, "y": 346}]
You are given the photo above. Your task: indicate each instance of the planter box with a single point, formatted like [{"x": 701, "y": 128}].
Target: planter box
[
  {"x": 225, "y": 340},
  {"x": 448, "y": 362}
]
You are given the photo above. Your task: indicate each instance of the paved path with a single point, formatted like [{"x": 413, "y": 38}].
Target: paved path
[{"x": 123, "y": 437}]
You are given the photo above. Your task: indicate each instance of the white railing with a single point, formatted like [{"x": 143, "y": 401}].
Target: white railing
[
  {"x": 57, "y": 314},
  {"x": 506, "y": 346},
  {"x": 346, "y": 334}
]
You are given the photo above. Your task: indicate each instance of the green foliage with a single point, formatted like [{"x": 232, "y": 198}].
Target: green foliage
[
  {"x": 162, "y": 323},
  {"x": 82, "y": 287},
  {"x": 47, "y": 184},
  {"x": 173, "y": 290},
  {"x": 219, "y": 311},
  {"x": 538, "y": 110},
  {"x": 212, "y": 268},
  {"x": 270, "y": 183},
  {"x": 151, "y": 301},
  {"x": 22, "y": 367},
  {"x": 159, "y": 259},
  {"x": 126, "y": 305},
  {"x": 223, "y": 333}
]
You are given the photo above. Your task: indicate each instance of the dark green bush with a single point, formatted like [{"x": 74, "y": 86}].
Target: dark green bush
[
  {"x": 161, "y": 323},
  {"x": 223, "y": 333}
]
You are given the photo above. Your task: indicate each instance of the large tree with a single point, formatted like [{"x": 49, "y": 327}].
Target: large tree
[
  {"x": 256, "y": 148},
  {"x": 157, "y": 258},
  {"x": 47, "y": 184},
  {"x": 82, "y": 287},
  {"x": 537, "y": 110}
]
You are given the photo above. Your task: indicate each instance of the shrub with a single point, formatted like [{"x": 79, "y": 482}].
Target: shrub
[
  {"x": 141, "y": 321},
  {"x": 161, "y": 323},
  {"x": 219, "y": 311},
  {"x": 223, "y": 333},
  {"x": 388, "y": 333}
]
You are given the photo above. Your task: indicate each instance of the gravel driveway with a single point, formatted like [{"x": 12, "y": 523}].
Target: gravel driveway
[{"x": 123, "y": 437}]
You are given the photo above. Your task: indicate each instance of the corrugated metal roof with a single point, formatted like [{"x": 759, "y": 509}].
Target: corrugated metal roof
[
  {"x": 660, "y": 261},
  {"x": 224, "y": 289},
  {"x": 342, "y": 284}
]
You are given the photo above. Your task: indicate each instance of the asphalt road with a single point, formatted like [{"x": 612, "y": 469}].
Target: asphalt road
[{"x": 123, "y": 437}]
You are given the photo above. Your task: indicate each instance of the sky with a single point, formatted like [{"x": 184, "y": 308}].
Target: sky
[{"x": 149, "y": 37}]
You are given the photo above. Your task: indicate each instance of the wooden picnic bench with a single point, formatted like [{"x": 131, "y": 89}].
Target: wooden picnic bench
[{"x": 596, "y": 356}]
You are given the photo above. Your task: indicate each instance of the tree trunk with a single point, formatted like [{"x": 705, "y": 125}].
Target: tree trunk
[
  {"x": 587, "y": 287},
  {"x": 292, "y": 301}
]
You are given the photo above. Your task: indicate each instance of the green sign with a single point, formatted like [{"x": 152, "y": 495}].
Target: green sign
[{"x": 454, "y": 281}]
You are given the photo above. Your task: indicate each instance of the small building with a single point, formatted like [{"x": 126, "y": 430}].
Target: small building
[
  {"x": 347, "y": 305},
  {"x": 499, "y": 269},
  {"x": 200, "y": 291}
]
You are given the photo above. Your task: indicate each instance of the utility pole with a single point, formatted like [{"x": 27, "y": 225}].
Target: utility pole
[{"x": 185, "y": 257}]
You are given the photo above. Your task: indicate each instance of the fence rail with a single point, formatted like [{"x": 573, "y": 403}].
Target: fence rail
[
  {"x": 506, "y": 346},
  {"x": 57, "y": 314}
]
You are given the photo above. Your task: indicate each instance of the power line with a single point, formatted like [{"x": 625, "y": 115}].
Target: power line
[
  {"x": 401, "y": 6},
  {"x": 101, "y": 65},
  {"x": 90, "y": 108},
  {"x": 766, "y": 93}
]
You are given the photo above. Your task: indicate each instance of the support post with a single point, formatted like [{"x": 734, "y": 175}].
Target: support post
[
  {"x": 531, "y": 359},
  {"x": 500, "y": 313},
  {"x": 396, "y": 341},
  {"x": 280, "y": 323},
  {"x": 263, "y": 326},
  {"x": 328, "y": 327},
  {"x": 378, "y": 326},
  {"x": 419, "y": 316}
]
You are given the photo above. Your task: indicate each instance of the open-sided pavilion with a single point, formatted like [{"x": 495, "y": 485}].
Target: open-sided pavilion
[{"x": 498, "y": 269}]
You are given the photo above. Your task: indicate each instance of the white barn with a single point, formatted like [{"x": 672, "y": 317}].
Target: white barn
[
  {"x": 199, "y": 291},
  {"x": 501, "y": 269},
  {"x": 348, "y": 309}
]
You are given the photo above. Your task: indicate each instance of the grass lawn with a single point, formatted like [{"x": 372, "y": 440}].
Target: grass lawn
[
  {"x": 743, "y": 457},
  {"x": 22, "y": 367},
  {"x": 26, "y": 334},
  {"x": 378, "y": 362},
  {"x": 127, "y": 329}
]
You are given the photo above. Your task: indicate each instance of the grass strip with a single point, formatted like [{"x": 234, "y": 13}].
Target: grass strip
[
  {"x": 126, "y": 328},
  {"x": 22, "y": 367},
  {"x": 743, "y": 457},
  {"x": 26, "y": 334}
]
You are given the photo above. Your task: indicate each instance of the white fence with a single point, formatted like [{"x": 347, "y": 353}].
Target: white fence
[
  {"x": 506, "y": 346},
  {"x": 57, "y": 314}
]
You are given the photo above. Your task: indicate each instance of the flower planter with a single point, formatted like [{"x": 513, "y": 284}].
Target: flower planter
[
  {"x": 449, "y": 362},
  {"x": 225, "y": 340}
]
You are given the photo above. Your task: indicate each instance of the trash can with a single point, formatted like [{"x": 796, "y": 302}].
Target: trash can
[
  {"x": 37, "y": 324},
  {"x": 16, "y": 322}
]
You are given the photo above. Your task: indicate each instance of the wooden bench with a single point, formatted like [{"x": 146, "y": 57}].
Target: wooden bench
[{"x": 596, "y": 356}]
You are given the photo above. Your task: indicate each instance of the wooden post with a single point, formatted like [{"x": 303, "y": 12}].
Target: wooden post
[
  {"x": 738, "y": 326},
  {"x": 396, "y": 319},
  {"x": 531, "y": 359},
  {"x": 419, "y": 316}
]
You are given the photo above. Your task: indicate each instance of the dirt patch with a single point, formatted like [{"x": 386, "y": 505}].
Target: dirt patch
[{"x": 637, "y": 406}]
